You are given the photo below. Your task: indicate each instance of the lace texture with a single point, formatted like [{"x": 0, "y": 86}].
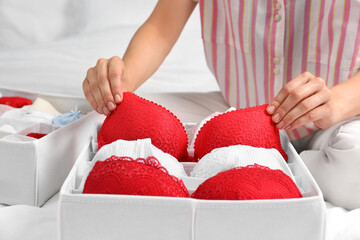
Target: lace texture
[
  {"x": 16, "y": 102},
  {"x": 249, "y": 126},
  {"x": 222, "y": 159},
  {"x": 142, "y": 148},
  {"x": 248, "y": 183},
  {"x": 124, "y": 175},
  {"x": 137, "y": 118}
]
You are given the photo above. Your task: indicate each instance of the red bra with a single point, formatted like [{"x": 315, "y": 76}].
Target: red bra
[
  {"x": 16, "y": 102},
  {"x": 248, "y": 183},
  {"x": 137, "y": 118},
  {"x": 123, "y": 175}
]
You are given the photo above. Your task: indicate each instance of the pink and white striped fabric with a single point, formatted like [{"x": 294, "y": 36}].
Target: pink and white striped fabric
[{"x": 254, "y": 47}]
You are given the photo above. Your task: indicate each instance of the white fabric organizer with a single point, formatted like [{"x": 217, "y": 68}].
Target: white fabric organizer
[
  {"x": 33, "y": 170},
  {"x": 47, "y": 46},
  {"x": 94, "y": 216}
]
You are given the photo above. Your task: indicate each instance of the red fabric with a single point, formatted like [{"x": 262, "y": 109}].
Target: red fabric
[
  {"x": 36, "y": 135},
  {"x": 249, "y": 126},
  {"x": 16, "y": 102},
  {"x": 123, "y": 175},
  {"x": 137, "y": 118},
  {"x": 248, "y": 183}
]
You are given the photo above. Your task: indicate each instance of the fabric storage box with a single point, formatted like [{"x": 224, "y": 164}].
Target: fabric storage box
[
  {"x": 100, "y": 216},
  {"x": 32, "y": 170}
]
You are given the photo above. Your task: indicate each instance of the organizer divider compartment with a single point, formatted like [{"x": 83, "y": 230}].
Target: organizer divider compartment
[
  {"x": 107, "y": 216},
  {"x": 33, "y": 170}
]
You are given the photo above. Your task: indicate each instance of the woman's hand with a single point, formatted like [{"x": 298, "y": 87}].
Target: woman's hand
[
  {"x": 105, "y": 83},
  {"x": 303, "y": 100}
]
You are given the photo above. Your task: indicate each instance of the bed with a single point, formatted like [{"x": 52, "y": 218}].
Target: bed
[{"x": 47, "y": 46}]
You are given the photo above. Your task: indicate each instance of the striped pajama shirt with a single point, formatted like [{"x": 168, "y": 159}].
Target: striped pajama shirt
[{"x": 254, "y": 47}]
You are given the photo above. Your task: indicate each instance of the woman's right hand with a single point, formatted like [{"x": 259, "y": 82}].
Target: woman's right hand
[{"x": 105, "y": 83}]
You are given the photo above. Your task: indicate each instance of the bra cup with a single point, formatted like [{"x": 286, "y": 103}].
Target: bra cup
[
  {"x": 127, "y": 176},
  {"x": 226, "y": 158},
  {"x": 137, "y": 118},
  {"x": 249, "y": 126},
  {"x": 248, "y": 183},
  {"x": 142, "y": 148}
]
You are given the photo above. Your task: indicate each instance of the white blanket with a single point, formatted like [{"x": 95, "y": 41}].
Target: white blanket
[{"x": 47, "y": 46}]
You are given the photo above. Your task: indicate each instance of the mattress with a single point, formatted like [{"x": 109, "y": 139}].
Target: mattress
[{"x": 47, "y": 46}]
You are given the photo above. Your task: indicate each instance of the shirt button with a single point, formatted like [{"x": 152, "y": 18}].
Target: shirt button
[
  {"x": 276, "y": 60},
  {"x": 278, "y": 17},
  {"x": 276, "y": 71},
  {"x": 278, "y": 5}
]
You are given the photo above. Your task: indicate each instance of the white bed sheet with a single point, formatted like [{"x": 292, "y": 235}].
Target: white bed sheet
[{"x": 47, "y": 46}]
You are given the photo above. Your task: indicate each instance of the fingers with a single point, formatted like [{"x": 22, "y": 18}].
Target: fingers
[
  {"x": 286, "y": 90},
  {"x": 103, "y": 84},
  {"x": 94, "y": 90},
  {"x": 107, "y": 102},
  {"x": 305, "y": 110},
  {"x": 316, "y": 115},
  {"x": 89, "y": 97},
  {"x": 116, "y": 73},
  {"x": 298, "y": 102}
]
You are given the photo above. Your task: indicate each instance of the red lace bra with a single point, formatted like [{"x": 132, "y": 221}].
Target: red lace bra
[
  {"x": 249, "y": 126},
  {"x": 137, "y": 118},
  {"x": 123, "y": 175},
  {"x": 248, "y": 183}
]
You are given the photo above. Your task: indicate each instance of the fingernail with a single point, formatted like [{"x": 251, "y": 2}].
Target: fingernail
[
  {"x": 276, "y": 117},
  {"x": 270, "y": 109},
  {"x": 117, "y": 98},
  {"x": 280, "y": 125},
  {"x": 287, "y": 127},
  {"x": 99, "y": 110},
  {"x": 106, "y": 111},
  {"x": 111, "y": 106}
]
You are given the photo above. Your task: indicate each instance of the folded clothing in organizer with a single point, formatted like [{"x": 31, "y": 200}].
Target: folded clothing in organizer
[
  {"x": 36, "y": 156},
  {"x": 41, "y": 105},
  {"x": 7, "y": 128},
  {"x": 4, "y": 108},
  {"x": 226, "y": 158},
  {"x": 181, "y": 218},
  {"x": 141, "y": 148},
  {"x": 15, "y": 101},
  {"x": 66, "y": 118},
  {"x": 145, "y": 174},
  {"x": 36, "y": 135},
  {"x": 29, "y": 115}
]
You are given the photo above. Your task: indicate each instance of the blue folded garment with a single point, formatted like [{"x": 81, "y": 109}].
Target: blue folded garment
[{"x": 67, "y": 118}]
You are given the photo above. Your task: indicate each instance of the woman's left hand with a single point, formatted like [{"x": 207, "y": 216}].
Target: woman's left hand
[{"x": 304, "y": 99}]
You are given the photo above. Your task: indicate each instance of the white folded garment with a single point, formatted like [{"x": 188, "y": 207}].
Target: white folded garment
[
  {"x": 29, "y": 115},
  {"x": 225, "y": 158},
  {"x": 41, "y": 105},
  {"x": 4, "y": 108}
]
